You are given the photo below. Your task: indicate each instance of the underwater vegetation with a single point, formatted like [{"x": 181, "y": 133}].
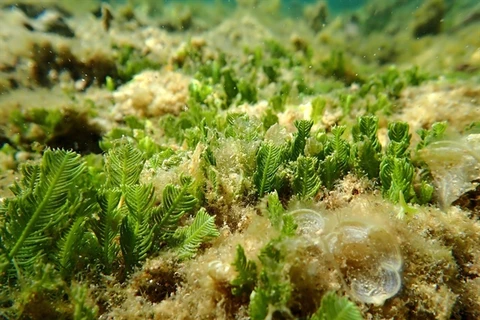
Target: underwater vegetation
[{"x": 188, "y": 160}]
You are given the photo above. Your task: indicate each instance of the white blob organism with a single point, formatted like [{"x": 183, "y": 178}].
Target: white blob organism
[
  {"x": 376, "y": 287},
  {"x": 365, "y": 254},
  {"x": 308, "y": 221},
  {"x": 455, "y": 166}
]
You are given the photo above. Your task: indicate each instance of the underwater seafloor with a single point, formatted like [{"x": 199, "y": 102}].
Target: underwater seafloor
[{"x": 240, "y": 160}]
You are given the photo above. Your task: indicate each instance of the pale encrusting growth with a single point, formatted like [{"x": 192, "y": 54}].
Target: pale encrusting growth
[{"x": 151, "y": 94}]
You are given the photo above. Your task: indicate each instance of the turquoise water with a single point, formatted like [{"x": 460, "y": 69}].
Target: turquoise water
[
  {"x": 288, "y": 6},
  {"x": 296, "y": 8}
]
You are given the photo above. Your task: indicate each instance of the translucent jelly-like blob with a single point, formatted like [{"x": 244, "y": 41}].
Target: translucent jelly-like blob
[
  {"x": 366, "y": 255},
  {"x": 368, "y": 258},
  {"x": 386, "y": 246},
  {"x": 308, "y": 221},
  {"x": 374, "y": 286}
]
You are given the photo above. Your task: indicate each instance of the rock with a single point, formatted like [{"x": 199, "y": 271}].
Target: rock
[
  {"x": 179, "y": 19},
  {"x": 107, "y": 17},
  {"x": 33, "y": 11},
  {"x": 316, "y": 15},
  {"x": 52, "y": 22},
  {"x": 429, "y": 18},
  {"x": 46, "y": 60}
]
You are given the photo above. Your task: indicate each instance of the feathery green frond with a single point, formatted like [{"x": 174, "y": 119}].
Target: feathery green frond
[
  {"x": 396, "y": 169},
  {"x": 367, "y": 159},
  {"x": 123, "y": 165},
  {"x": 396, "y": 176},
  {"x": 398, "y": 133},
  {"x": 306, "y": 181},
  {"x": 30, "y": 176},
  {"x": 258, "y": 308},
  {"x": 248, "y": 90},
  {"x": 303, "y": 132},
  {"x": 340, "y": 148},
  {"x": 41, "y": 202},
  {"x": 274, "y": 290},
  {"x": 144, "y": 242},
  {"x": 366, "y": 152},
  {"x": 425, "y": 193},
  {"x": 329, "y": 171},
  {"x": 139, "y": 200},
  {"x": 106, "y": 227},
  {"x": 68, "y": 248},
  {"x": 436, "y": 132},
  {"x": 402, "y": 176},
  {"x": 212, "y": 179},
  {"x": 275, "y": 210},
  {"x": 336, "y": 157},
  {"x": 269, "y": 157},
  {"x": 367, "y": 126},
  {"x": 247, "y": 274},
  {"x": 398, "y": 149},
  {"x": 243, "y": 127},
  {"x": 281, "y": 221},
  {"x": 336, "y": 308},
  {"x": 136, "y": 239},
  {"x": 136, "y": 233},
  {"x": 83, "y": 309},
  {"x": 386, "y": 171},
  {"x": 289, "y": 226},
  {"x": 128, "y": 240},
  {"x": 176, "y": 201},
  {"x": 4, "y": 264},
  {"x": 43, "y": 282},
  {"x": 319, "y": 104},
  {"x": 230, "y": 85},
  {"x": 191, "y": 237}
]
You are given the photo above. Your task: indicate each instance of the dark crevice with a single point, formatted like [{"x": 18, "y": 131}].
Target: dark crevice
[
  {"x": 35, "y": 10},
  {"x": 470, "y": 201},
  {"x": 75, "y": 133},
  {"x": 93, "y": 70},
  {"x": 157, "y": 284}
]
